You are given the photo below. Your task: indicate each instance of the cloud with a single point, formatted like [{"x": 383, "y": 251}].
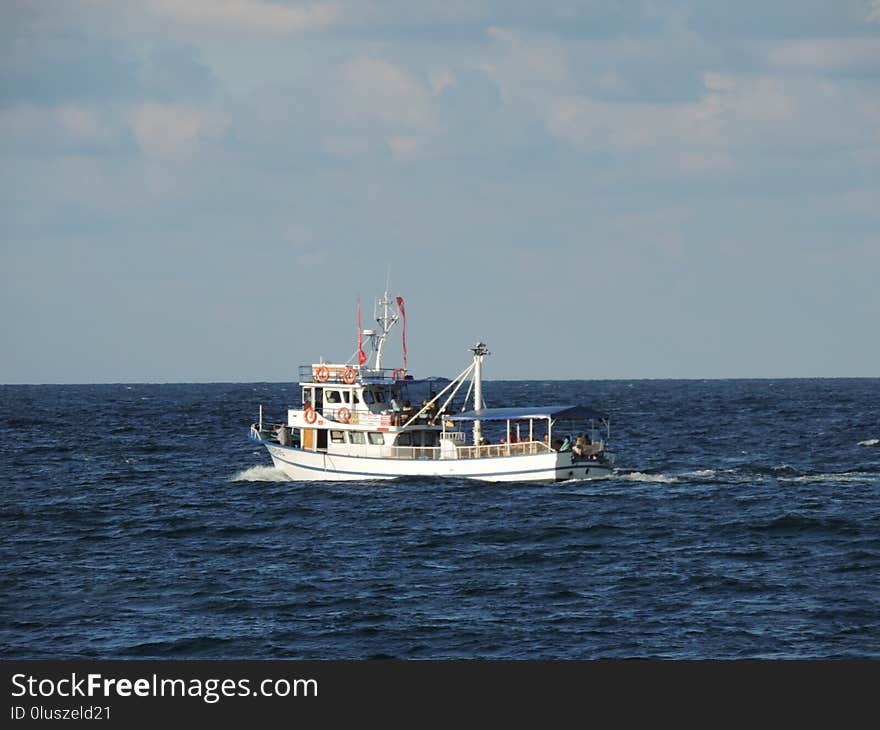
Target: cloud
[
  {"x": 698, "y": 134},
  {"x": 174, "y": 131},
  {"x": 376, "y": 91},
  {"x": 441, "y": 79},
  {"x": 826, "y": 54},
  {"x": 527, "y": 67},
  {"x": 68, "y": 127},
  {"x": 258, "y": 16}
]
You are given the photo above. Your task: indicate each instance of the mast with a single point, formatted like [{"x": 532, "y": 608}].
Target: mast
[
  {"x": 386, "y": 320},
  {"x": 480, "y": 351}
]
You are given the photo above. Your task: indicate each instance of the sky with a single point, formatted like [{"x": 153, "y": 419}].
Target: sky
[{"x": 201, "y": 190}]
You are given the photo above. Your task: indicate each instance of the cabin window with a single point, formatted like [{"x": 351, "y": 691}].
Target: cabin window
[
  {"x": 332, "y": 396},
  {"x": 404, "y": 439},
  {"x": 368, "y": 396},
  {"x": 357, "y": 437},
  {"x": 377, "y": 439},
  {"x": 380, "y": 396},
  {"x": 337, "y": 437},
  {"x": 346, "y": 396}
]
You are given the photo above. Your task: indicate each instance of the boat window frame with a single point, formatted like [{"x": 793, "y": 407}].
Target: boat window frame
[
  {"x": 337, "y": 436},
  {"x": 376, "y": 438},
  {"x": 335, "y": 393},
  {"x": 355, "y": 435}
]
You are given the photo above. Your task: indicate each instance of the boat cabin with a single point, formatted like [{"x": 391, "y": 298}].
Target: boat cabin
[{"x": 361, "y": 412}]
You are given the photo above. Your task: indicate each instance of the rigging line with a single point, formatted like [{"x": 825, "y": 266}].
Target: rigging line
[
  {"x": 461, "y": 382},
  {"x": 468, "y": 395},
  {"x": 457, "y": 379}
]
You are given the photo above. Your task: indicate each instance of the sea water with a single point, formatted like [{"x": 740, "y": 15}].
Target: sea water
[{"x": 743, "y": 521}]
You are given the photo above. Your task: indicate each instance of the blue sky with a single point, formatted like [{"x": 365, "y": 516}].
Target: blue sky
[{"x": 199, "y": 190}]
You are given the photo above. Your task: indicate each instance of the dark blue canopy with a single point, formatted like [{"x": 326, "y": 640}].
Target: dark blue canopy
[{"x": 512, "y": 414}]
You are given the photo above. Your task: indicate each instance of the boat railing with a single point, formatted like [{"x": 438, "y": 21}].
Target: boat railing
[
  {"x": 484, "y": 451},
  {"x": 335, "y": 374},
  {"x": 522, "y": 448}
]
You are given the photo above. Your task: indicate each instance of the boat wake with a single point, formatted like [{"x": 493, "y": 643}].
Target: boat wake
[
  {"x": 261, "y": 474},
  {"x": 833, "y": 477},
  {"x": 639, "y": 476},
  {"x": 783, "y": 473}
]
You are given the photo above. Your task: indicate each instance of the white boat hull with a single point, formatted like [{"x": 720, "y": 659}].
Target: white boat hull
[{"x": 307, "y": 465}]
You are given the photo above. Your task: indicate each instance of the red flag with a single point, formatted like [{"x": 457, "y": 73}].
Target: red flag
[
  {"x": 403, "y": 313},
  {"x": 362, "y": 356}
]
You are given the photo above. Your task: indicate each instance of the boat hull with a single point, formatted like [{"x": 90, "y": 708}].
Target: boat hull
[{"x": 306, "y": 465}]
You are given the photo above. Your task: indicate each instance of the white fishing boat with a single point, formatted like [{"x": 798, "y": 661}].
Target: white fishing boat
[{"x": 357, "y": 421}]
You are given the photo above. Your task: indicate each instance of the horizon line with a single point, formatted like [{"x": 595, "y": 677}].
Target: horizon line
[{"x": 486, "y": 380}]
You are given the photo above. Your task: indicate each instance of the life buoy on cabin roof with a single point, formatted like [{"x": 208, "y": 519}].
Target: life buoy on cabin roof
[
  {"x": 398, "y": 374},
  {"x": 349, "y": 376},
  {"x": 322, "y": 374}
]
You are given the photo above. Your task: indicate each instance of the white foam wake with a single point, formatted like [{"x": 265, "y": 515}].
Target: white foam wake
[
  {"x": 699, "y": 474},
  {"x": 638, "y": 476},
  {"x": 842, "y": 477},
  {"x": 261, "y": 474},
  {"x": 870, "y": 442}
]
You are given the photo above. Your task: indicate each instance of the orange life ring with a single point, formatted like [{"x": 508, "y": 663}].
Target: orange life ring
[
  {"x": 398, "y": 374},
  {"x": 349, "y": 376},
  {"x": 311, "y": 415},
  {"x": 322, "y": 374},
  {"x": 343, "y": 415}
]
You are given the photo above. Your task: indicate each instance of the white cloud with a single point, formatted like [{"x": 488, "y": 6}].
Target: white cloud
[
  {"x": 70, "y": 126},
  {"x": 729, "y": 106},
  {"x": 527, "y": 68},
  {"x": 258, "y": 16},
  {"x": 825, "y": 54},
  {"x": 735, "y": 113},
  {"x": 375, "y": 91},
  {"x": 441, "y": 79},
  {"x": 86, "y": 124},
  {"x": 174, "y": 131}
]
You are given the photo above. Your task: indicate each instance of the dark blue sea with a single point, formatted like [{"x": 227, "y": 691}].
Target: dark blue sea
[{"x": 138, "y": 521}]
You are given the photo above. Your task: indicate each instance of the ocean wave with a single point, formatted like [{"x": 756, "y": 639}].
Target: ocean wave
[
  {"x": 870, "y": 442},
  {"x": 699, "y": 474},
  {"x": 638, "y": 476},
  {"x": 261, "y": 474},
  {"x": 799, "y": 522},
  {"x": 847, "y": 476}
]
